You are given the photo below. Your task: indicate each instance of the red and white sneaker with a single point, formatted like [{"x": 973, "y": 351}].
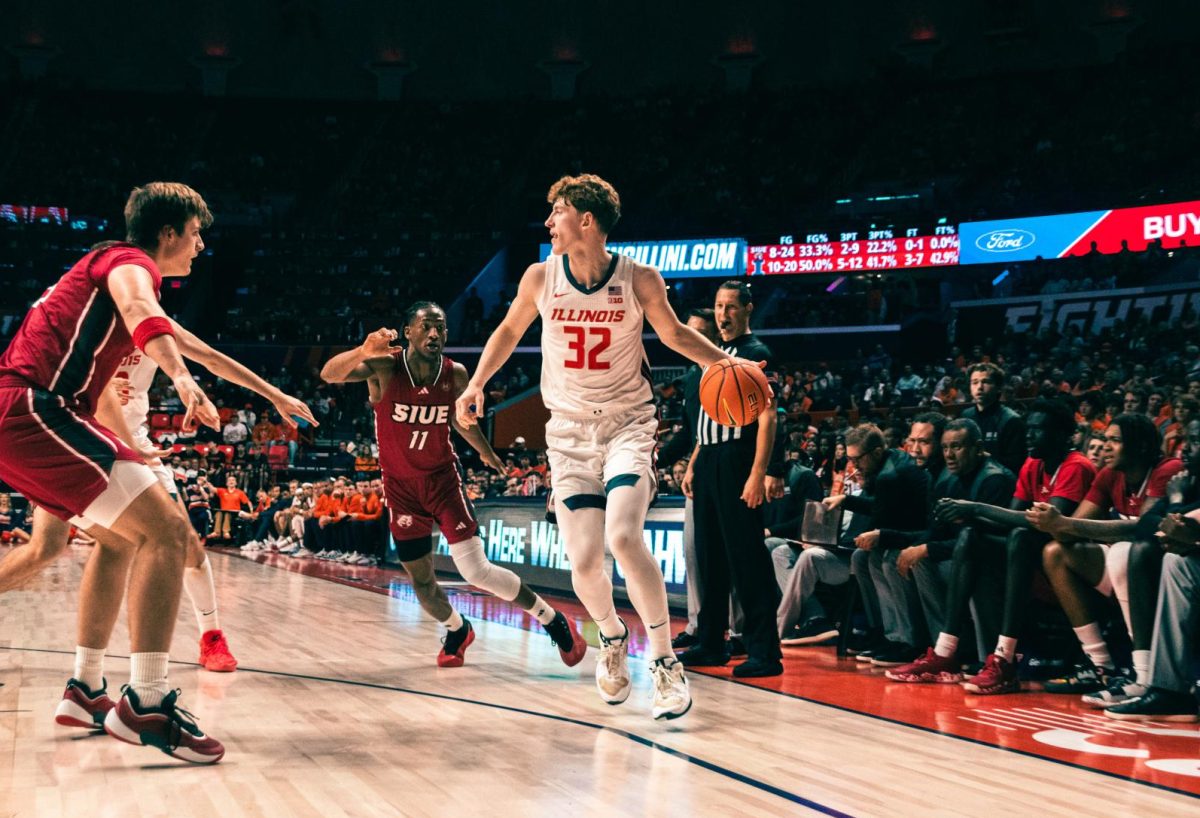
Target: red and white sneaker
[
  {"x": 455, "y": 644},
  {"x": 214, "y": 653},
  {"x": 998, "y": 676},
  {"x": 930, "y": 668},
  {"x": 167, "y": 727},
  {"x": 83, "y": 707},
  {"x": 570, "y": 644}
]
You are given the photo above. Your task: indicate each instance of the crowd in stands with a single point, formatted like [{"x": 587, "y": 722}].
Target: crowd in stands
[{"x": 324, "y": 197}]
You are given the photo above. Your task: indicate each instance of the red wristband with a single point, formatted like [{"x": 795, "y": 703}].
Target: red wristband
[{"x": 151, "y": 328}]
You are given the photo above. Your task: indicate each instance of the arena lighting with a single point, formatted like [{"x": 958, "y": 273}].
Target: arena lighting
[
  {"x": 837, "y": 282},
  {"x": 1003, "y": 275}
]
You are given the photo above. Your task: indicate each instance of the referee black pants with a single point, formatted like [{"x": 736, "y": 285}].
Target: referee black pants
[{"x": 731, "y": 554}]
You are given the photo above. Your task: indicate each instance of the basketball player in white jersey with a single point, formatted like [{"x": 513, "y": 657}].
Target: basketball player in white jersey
[{"x": 601, "y": 433}]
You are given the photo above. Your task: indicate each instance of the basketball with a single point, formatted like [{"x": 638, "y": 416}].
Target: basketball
[{"x": 733, "y": 393}]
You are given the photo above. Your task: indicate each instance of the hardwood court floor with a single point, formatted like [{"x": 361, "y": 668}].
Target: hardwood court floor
[{"x": 338, "y": 709}]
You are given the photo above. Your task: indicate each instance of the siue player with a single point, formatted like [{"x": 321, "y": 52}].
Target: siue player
[
  {"x": 123, "y": 408},
  {"x": 601, "y": 433},
  {"x": 413, "y": 391},
  {"x": 55, "y": 453}
]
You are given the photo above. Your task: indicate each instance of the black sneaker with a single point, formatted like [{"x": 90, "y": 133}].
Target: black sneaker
[
  {"x": 570, "y": 644},
  {"x": 1085, "y": 678},
  {"x": 867, "y": 645},
  {"x": 454, "y": 646},
  {"x": 754, "y": 668},
  {"x": 736, "y": 647},
  {"x": 895, "y": 655},
  {"x": 698, "y": 656},
  {"x": 1157, "y": 705},
  {"x": 882, "y": 645},
  {"x": 816, "y": 631},
  {"x": 684, "y": 640}
]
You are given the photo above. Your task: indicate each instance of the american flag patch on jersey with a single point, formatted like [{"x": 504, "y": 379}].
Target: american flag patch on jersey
[{"x": 614, "y": 290}]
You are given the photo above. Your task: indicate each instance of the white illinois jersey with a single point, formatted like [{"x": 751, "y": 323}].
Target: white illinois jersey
[
  {"x": 139, "y": 369},
  {"x": 593, "y": 360}
]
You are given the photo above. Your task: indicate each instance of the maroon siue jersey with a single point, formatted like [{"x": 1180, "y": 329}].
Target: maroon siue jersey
[
  {"x": 413, "y": 422},
  {"x": 73, "y": 338}
]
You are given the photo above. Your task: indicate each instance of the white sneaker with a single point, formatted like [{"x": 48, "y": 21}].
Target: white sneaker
[
  {"x": 301, "y": 553},
  {"x": 612, "y": 668},
  {"x": 363, "y": 559},
  {"x": 672, "y": 696},
  {"x": 253, "y": 545},
  {"x": 321, "y": 555}
]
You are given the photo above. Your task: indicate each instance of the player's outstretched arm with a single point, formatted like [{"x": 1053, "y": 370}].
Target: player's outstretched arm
[
  {"x": 651, "y": 292},
  {"x": 227, "y": 368},
  {"x": 521, "y": 314},
  {"x": 132, "y": 291},
  {"x": 356, "y": 364}
]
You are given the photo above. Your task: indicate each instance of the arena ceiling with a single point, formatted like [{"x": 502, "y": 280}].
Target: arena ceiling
[{"x": 462, "y": 49}]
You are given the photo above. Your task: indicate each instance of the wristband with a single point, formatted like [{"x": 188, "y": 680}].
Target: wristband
[{"x": 151, "y": 328}]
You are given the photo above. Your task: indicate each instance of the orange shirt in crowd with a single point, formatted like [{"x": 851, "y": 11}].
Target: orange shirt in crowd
[
  {"x": 372, "y": 509},
  {"x": 263, "y": 432},
  {"x": 353, "y": 505},
  {"x": 322, "y": 506},
  {"x": 232, "y": 499}
]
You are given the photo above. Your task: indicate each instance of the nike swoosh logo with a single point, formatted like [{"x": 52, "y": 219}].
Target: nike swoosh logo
[{"x": 560, "y": 295}]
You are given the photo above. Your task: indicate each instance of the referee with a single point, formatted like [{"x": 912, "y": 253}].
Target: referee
[{"x": 731, "y": 472}]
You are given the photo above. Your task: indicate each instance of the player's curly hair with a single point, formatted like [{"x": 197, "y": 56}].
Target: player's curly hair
[
  {"x": 589, "y": 193},
  {"x": 1141, "y": 446}
]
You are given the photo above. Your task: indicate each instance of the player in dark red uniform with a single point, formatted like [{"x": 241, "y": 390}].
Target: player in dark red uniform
[
  {"x": 55, "y": 453},
  {"x": 413, "y": 390}
]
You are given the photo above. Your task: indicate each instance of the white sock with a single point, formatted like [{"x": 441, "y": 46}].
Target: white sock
[
  {"x": 947, "y": 646},
  {"x": 198, "y": 582},
  {"x": 659, "y": 636},
  {"x": 541, "y": 610},
  {"x": 89, "y": 666},
  {"x": 611, "y": 626},
  {"x": 454, "y": 622},
  {"x": 1141, "y": 667},
  {"x": 1006, "y": 648},
  {"x": 1093, "y": 645},
  {"x": 148, "y": 677}
]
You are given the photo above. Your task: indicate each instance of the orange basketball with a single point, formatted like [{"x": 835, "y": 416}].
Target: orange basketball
[{"x": 733, "y": 394}]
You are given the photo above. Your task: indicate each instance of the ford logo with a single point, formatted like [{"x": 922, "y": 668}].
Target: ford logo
[{"x": 1005, "y": 241}]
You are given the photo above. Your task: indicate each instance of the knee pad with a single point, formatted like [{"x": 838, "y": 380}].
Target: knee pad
[{"x": 475, "y": 568}]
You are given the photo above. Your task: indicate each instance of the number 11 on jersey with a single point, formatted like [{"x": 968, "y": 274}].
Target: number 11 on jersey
[{"x": 418, "y": 439}]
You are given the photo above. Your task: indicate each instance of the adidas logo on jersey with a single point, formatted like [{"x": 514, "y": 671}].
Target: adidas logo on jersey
[
  {"x": 460, "y": 526},
  {"x": 424, "y": 390}
]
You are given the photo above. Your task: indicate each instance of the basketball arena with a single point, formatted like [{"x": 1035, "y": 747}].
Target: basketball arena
[{"x": 618, "y": 410}]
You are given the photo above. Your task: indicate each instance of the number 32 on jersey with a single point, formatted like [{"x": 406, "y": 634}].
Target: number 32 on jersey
[{"x": 587, "y": 343}]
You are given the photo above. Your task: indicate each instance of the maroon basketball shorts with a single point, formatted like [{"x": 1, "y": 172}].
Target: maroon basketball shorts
[
  {"x": 61, "y": 459},
  {"x": 414, "y": 503}
]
